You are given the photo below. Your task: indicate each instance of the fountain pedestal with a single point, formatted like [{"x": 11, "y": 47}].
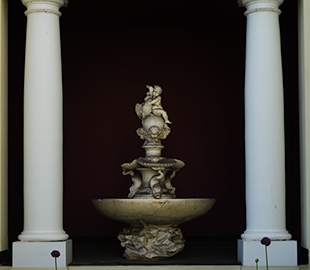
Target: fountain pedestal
[{"x": 151, "y": 242}]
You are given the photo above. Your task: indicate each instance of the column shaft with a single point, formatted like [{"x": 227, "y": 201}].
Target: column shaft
[
  {"x": 43, "y": 172},
  {"x": 304, "y": 116},
  {"x": 264, "y": 140},
  {"x": 264, "y": 125},
  {"x": 3, "y": 125}
]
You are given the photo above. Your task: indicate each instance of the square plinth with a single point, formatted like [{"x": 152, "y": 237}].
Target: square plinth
[
  {"x": 280, "y": 253},
  {"x": 38, "y": 254}
]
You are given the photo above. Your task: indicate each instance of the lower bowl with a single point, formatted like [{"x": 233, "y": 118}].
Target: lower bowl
[{"x": 141, "y": 212}]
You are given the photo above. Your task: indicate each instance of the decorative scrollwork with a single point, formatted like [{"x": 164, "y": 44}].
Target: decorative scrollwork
[{"x": 156, "y": 171}]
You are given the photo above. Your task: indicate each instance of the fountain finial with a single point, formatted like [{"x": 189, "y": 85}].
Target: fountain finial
[
  {"x": 157, "y": 171},
  {"x": 155, "y": 121}
]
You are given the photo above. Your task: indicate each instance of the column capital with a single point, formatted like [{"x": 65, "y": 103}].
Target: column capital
[
  {"x": 260, "y": 3},
  {"x": 46, "y": 6},
  {"x": 59, "y": 3}
]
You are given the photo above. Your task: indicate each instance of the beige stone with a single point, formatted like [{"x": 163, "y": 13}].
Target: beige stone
[
  {"x": 138, "y": 212},
  {"x": 151, "y": 242},
  {"x": 152, "y": 211}
]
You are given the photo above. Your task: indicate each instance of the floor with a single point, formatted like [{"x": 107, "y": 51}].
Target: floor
[{"x": 197, "y": 251}]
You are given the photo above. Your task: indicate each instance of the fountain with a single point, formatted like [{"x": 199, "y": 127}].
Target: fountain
[{"x": 152, "y": 210}]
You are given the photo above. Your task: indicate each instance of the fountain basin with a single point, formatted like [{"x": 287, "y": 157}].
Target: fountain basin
[{"x": 141, "y": 212}]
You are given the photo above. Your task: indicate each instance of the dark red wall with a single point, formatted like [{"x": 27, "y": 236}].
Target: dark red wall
[
  {"x": 201, "y": 71},
  {"x": 105, "y": 76}
]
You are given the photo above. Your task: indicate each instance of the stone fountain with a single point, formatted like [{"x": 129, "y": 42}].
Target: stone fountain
[{"x": 152, "y": 210}]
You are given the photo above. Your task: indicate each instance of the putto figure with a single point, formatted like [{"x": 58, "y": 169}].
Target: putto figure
[
  {"x": 152, "y": 104},
  {"x": 154, "y": 118}
]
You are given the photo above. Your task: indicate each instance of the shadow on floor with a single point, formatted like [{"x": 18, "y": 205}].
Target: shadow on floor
[{"x": 197, "y": 251}]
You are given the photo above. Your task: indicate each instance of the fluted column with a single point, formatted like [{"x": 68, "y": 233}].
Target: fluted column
[
  {"x": 43, "y": 139},
  {"x": 264, "y": 128}
]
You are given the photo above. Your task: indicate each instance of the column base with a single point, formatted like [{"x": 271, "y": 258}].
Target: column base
[
  {"x": 280, "y": 253},
  {"x": 276, "y": 235},
  {"x": 38, "y": 254},
  {"x": 43, "y": 236}
]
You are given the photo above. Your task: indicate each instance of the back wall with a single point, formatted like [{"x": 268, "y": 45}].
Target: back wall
[{"x": 107, "y": 61}]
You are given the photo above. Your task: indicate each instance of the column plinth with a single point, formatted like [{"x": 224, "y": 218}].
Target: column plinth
[{"x": 264, "y": 126}]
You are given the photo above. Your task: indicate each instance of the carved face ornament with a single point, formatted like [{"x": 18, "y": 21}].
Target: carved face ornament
[{"x": 157, "y": 91}]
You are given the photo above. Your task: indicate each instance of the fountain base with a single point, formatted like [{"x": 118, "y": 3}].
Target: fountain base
[
  {"x": 151, "y": 242},
  {"x": 153, "y": 231}
]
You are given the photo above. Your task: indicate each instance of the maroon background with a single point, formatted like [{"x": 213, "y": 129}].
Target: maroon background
[{"x": 195, "y": 50}]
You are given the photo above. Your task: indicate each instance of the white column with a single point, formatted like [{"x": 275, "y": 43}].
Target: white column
[
  {"x": 304, "y": 116},
  {"x": 264, "y": 124},
  {"x": 264, "y": 135},
  {"x": 43, "y": 174},
  {"x": 43, "y": 158},
  {"x": 3, "y": 125}
]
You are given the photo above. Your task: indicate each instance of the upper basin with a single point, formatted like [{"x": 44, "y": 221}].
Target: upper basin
[{"x": 140, "y": 212}]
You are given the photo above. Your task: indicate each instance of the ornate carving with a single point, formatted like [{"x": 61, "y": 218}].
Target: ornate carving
[
  {"x": 153, "y": 233},
  {"x": 152, "y": 104},
  {"x": 151, "y": 242},
  {"x": 157, "y": 173},
  {"x": 155, "y": 182},
  {"x": 154, "y": 118},
  {"x": 171, "y": 189},
  {"x": 153, "y": 134},
  {"x": 136, "y": 179}
]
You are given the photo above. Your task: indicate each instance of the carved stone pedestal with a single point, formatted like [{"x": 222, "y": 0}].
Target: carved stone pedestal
[{"x": 151, "y": 242}]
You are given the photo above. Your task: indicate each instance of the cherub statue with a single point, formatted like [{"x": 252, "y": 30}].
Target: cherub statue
[{"x": 152, "y": 104}]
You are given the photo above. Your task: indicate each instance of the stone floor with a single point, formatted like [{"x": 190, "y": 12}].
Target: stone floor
[{"x": 197, "y": 251}]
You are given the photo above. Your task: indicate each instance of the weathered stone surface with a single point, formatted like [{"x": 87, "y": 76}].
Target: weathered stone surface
[
  {"x": 151, "y": 242},
  {"x": 170, "y": 212},
  {"x": 152, "y": 210}
]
